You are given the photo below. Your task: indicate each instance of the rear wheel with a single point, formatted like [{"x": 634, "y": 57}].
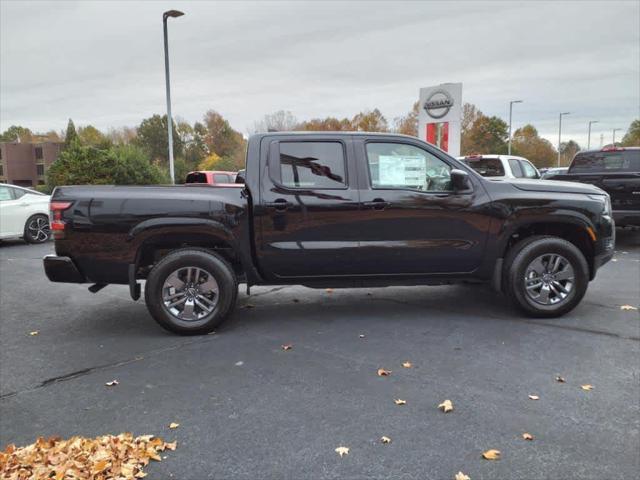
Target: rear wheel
[
  {"x": 546, "y": 276},
  {"x": 191, "y": 292},
  {"x": 36, "y": 230}
]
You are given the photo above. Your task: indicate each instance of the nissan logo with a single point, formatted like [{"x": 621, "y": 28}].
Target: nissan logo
[{"x": 438, "y": 104}]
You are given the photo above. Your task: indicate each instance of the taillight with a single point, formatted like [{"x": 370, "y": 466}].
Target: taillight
[{"x": 56, "y": 221}]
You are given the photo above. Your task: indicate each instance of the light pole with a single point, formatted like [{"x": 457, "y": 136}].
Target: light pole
[
  {"x": 614, "y": 135},
  {"x": 560, "y": 134},
  {"x": 589, "y": 137},
  {"x": 510, "y": 114},
  {"x": 165, "y": 17}
]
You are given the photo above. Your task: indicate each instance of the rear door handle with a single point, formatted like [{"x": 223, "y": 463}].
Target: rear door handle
[
  {"x": 377, "y": 204},
  {"x": 279, "y": 204}
]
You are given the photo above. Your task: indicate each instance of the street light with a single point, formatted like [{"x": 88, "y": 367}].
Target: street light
[
  {"x": 614, "y": 135},
  {"x": 589, "y": 137},
  {"x": 165, "y": 16},
  {"x": 560, "y": 134},
  {"x": 510, "y": 114}
]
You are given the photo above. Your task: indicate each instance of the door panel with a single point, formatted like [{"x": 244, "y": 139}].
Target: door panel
[
  {"x": 11, "y": 213},
  {"x": 422, "y": 228},
  {"x": 308, "y": 201}
]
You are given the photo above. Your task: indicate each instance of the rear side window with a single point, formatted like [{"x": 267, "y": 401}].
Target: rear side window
[
  {"x": 515, "y": 168},
  {"x": 196, "y": 177},
  {"x": 312, "y": 165},
  {"x": 487, "y": 167},
  {"x": 221, "y": 178},
  {"x": 615, "y": 161}
]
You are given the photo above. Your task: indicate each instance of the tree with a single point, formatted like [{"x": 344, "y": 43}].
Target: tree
[
  {"x": 214, "y": 162},
  {"x": 153, "y": 136},
  {"x": 370, "y": 121},
  {"x": 195, "y": 150},
  {"x": 280, "y": 121},
  {"x": 71, "y": 135},
  {"x": 568, "y": 150},
  {"x": 527, "y": 143},
  {"x": 408, "y": 125},
  {"x": 122, "y": 135},
  {"x": 90, "y": 135},
  {"x": 329, "y": 124},
  {"x": 16, "y": 133},
  {"x": 470, "y": 114},
  {"x": 486, "y": 135},
  {"x": 222, "y": 139},
  {"x": 632, "y": 137}
]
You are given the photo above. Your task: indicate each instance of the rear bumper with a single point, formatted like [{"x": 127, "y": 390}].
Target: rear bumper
[
  {"x": 62, "y": 269},
  {"x": 626, "y": 217}
]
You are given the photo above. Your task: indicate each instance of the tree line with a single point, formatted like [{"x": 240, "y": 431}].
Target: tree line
[{"x": 139, "y": 155}]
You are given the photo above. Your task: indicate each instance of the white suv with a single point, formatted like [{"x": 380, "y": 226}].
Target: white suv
[{"x": 501, "y": 166}]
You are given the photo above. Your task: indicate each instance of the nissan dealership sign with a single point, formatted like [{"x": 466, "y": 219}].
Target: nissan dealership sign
[{"x": 440, "y": 116}]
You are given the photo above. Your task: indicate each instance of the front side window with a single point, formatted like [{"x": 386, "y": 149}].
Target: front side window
[
  {"x": 398, "y": 165},
  {"x": 515, "y": 168},
  {"x": 529, "y": 170},
  {"x": 5, "y": 194},
  {"x": 312, "y": 165}
]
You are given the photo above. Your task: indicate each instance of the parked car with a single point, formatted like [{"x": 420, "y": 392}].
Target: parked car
[
  {"x": 616, "y": 170},
  {"x": 550, "y": 173},
  {"x": 24, "y": 213},
  {"x": 501, "y": 166},
  {"x": 333, "y": 210},
  {"x": 211, "y": 177}
]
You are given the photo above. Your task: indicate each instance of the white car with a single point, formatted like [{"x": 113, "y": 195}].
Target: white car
[
  {"x": 24, "y": 213},
  {"x": 501, "y": 166}
]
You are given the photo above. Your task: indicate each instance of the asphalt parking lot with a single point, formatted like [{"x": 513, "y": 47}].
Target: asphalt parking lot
[{"x": 248, "y": 409}]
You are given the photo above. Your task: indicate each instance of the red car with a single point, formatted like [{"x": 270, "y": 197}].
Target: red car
[{"x": 212, "y": 177}]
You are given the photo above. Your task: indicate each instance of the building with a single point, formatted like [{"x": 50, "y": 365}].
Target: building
[{"x": 26, "y": 164}]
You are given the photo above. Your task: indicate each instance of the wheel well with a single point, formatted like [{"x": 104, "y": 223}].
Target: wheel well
[
  {"x": 576, "y": 234},
  {"x": 155, "y": 248}
]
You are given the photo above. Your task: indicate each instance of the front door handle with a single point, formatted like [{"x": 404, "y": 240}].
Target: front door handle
[
  {"x": 377, "y": 204},
  {"x": 279, "y": 204}
]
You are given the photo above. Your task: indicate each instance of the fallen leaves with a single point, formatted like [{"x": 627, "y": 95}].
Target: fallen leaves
[
  {"x": 108, "y": 456},
  {"x": 559, "y": 379},
  {"x": 491, "y": 454},
  {"x": 383, "y": 373},
  {"x": 362, "y": 335},
  {"x": 342, "y": 451},
  {"x": 286, "y": 347},
  {"x": 587, "y": 387},
  {"x": 462, "y": 476},
  {"x": 173, "y": 425},
  {"x": 446, "y": 406},
  {"x": 112, "y": 383},
  {"x": 527, "y": 436},
  {"x": 385, "y": 440},
  {"x": 399, "y": 401},
  {"x": 407, "y": 364},
  {"x": 34, "y": 333},
  {"x": 628, "y": 307},
  {"x": 534, "y": 397}
]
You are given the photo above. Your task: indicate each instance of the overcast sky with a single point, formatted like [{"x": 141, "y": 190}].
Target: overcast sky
[{"x": 101, "y": 62}]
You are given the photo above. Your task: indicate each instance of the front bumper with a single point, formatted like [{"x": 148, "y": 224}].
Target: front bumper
[
  {"x": 62, "y": 269},
  {"x": 626, "y": 217}
]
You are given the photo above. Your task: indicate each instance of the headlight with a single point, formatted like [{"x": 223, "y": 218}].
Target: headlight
[{"x": 606, "y": 203}]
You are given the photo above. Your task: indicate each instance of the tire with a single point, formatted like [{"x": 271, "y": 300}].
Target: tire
[
  {"x": 545, "y": 276},
  {"x": 36, "y": 229},
  {"x": 206, "y": 283}
]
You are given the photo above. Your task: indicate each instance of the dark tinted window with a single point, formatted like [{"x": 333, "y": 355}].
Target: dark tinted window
[
  {"x": 515, "y": 168},
  {"x": 614, "y": 161},
  {"x": 221, "y": 178},
  {"x": 38, "y": 153},
  {"x": 312, "y": 165},
  {"x": 487, "y": 167},
  {"x": 196, "y": 177}
]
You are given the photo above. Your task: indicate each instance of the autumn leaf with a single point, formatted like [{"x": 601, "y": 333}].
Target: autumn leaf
[
  {"x": 342, "y": 451},
  {"x": 173, "y": 425},
  {"x": 286, "y": 347},
  {"x": 383, "y": 373},
  {"x": 446, "y": 406},
  {"x": 112, "y": 383},
  {"x": 99, "y": 467},
  {"x": 407, "y": 364},
  {"x": 491, "y": 454},
  {"x": 171, "y": 446},
  {"x": 34, "y": 333},
  {"x": 559, "y": 379},
  {"x": 398, "y": 401},
  {"x": 385, "y": 439},
  {"x": 534, "y": 397},
  {"x": 587, "y": 387},
  {"x": 527, "y": 436},
  {"x": 362, "y": 335},
  {"x": 628, "y": 307},
  {"x": 462, "y": 476}
]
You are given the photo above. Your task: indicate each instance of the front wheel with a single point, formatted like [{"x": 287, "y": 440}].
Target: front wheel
[
  {"x": 191, "y": 291},
  {"x": 546, "y": 276},
  {"x": 36, "y": 230}
]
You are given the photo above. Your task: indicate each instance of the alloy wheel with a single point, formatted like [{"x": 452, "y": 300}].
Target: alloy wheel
[
  {"x": 549, "y": 279},
  {"x": 38, "y": 229},
  {"x": 190, "y": 293}
]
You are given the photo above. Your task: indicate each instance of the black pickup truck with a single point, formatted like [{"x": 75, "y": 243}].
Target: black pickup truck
[
  {"x": 333, "y": 210},
  {"x": 616, "y": 170}
]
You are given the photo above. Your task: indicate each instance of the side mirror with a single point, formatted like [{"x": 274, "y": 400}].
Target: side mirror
[
  {"x": 240, "y": 176},
  {"x": 460, "y": 180}
]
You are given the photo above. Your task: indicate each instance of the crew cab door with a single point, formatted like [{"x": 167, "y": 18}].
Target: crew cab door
[
  {"x": 308, "y": 199},
  {"x": 415, "y": 224}
]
